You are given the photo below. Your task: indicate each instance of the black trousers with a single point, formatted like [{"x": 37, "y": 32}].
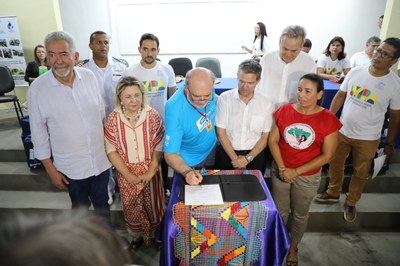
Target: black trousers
[{"x": 223, "y": 162}]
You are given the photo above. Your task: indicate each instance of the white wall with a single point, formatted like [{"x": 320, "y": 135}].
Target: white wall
[{"x": 354, "y": 20}]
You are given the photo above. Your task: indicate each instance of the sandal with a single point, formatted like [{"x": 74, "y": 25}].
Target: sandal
[
  {"x": 136, "y": 243},
  {"x": 291, "y": 259}
]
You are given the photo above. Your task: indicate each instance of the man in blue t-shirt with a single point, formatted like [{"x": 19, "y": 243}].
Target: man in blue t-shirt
[{"x": 190, "y": 135}]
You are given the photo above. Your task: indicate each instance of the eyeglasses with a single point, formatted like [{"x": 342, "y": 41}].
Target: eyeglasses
[
  {"x": 198, "y": 100},
  {"x": 383, "y": 54}
]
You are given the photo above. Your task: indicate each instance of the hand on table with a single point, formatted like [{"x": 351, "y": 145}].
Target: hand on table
[{"x": 193, "y": 177}]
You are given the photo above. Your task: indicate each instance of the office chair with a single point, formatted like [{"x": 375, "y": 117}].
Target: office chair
[
  {"x": 181, "y": 65},
  {"x": 7, "y": 85},
  {"x": 210, "y": 63}
]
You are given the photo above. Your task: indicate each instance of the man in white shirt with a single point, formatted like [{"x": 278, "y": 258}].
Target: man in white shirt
[
  {"x": 363, "y": 58},
  {"x": 66, "y": 112},
  {"x": 107, "y": 71},
  {"x": 244, "y": 119},
  {"x": 365, "y": 94},
  {"x": 158, "y": 78},
  {"x": 282, "y": 69}
]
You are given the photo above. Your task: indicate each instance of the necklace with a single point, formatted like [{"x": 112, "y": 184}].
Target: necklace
[{"x": 134, "y": 118}]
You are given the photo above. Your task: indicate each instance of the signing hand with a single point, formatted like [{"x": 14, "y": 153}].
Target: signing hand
[{"x": 193, "y": 178}]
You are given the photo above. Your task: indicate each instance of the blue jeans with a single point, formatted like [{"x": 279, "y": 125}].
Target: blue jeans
[{"x": 91, "y": 190}]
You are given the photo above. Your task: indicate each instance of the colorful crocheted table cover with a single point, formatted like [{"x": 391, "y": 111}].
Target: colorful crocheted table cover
[{"x": 225, "y": 234}]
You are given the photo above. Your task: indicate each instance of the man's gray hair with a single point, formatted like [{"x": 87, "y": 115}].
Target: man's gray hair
[
  {"x": 294, "y": 31},
  {"x": 60, "y": 36},
  {"x": 373, "y": 39}
]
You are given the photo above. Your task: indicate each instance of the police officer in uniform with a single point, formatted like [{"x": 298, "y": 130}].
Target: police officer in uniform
[{"x": 108, "y": 70}]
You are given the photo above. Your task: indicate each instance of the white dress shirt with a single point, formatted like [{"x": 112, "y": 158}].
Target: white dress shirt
[
  {"x": 108, "y": 78},
  {"x": 244, "y": 123},
  {"x": 279, "y": 81},
  {"x": 66, "y": 123}
]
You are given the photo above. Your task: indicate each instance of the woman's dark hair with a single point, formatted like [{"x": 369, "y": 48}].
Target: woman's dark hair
[
  {"x": 317, "y": 80},
  {"x": 263, "y": 32},
  {"x": 339, "y": 39},
  {"x": 37, "y": 60},
  {"x": 307, "y": 43}
]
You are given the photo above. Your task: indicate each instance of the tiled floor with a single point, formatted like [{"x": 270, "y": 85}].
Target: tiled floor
[{"x": 326, "y": 249}]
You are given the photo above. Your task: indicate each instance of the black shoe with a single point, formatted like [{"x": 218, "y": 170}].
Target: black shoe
[{"x": 136, "y": 243}]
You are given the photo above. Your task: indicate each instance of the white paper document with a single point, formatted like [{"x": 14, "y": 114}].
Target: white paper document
[
  {"x": 203, "y": 195},
  {"x": 378, "y": 163}
]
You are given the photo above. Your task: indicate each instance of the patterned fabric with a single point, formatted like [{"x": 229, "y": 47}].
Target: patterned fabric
[
  {"x": 143, "y": 203},
  {"x": 231, "y": 229}
]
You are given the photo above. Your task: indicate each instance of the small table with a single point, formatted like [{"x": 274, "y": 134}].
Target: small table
[
  {"x": 234, "y": 233},
  {"x": 225, "y": 84}
]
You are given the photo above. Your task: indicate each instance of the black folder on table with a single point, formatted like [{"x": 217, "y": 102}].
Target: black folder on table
[{"x": 244, "y": 187}]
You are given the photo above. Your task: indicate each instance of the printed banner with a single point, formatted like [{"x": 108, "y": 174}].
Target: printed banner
[{"x": 11, "y": 52}]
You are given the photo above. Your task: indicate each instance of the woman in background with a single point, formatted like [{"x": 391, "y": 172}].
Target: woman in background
[
  {"x": 36, "y": 68},
  {"x": 302, "y": 140},
  {"x": 333, "y": 64},
  {"x": 260, "y": 43},
  {"x": 134, "y": 142}
]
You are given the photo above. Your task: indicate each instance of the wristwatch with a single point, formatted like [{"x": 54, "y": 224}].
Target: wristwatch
[{"x": 249, "y": 158}]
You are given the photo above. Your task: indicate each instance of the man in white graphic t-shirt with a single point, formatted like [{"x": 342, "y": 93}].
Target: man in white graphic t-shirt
[{"x": 366, "y": 94}]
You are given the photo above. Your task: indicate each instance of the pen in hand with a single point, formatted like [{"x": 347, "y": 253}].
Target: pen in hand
[{"x": 193, "y": 177}]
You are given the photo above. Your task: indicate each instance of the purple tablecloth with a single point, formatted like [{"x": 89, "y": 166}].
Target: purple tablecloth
[{"x": 190, "y": 238}]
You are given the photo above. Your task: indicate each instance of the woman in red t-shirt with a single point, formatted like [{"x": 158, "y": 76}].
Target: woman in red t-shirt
[{"x": 303, "y": 139}]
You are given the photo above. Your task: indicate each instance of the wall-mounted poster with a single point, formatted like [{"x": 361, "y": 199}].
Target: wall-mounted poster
[{"x": 11, "y": 52}]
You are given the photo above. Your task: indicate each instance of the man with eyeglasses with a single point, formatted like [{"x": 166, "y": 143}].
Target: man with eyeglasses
[
  {"x": 365, "y": 94},
  {"x": 190, "y": 137}
]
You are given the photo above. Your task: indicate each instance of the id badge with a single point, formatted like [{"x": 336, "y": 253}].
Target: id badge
[{"x": 208, "y": 125}]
